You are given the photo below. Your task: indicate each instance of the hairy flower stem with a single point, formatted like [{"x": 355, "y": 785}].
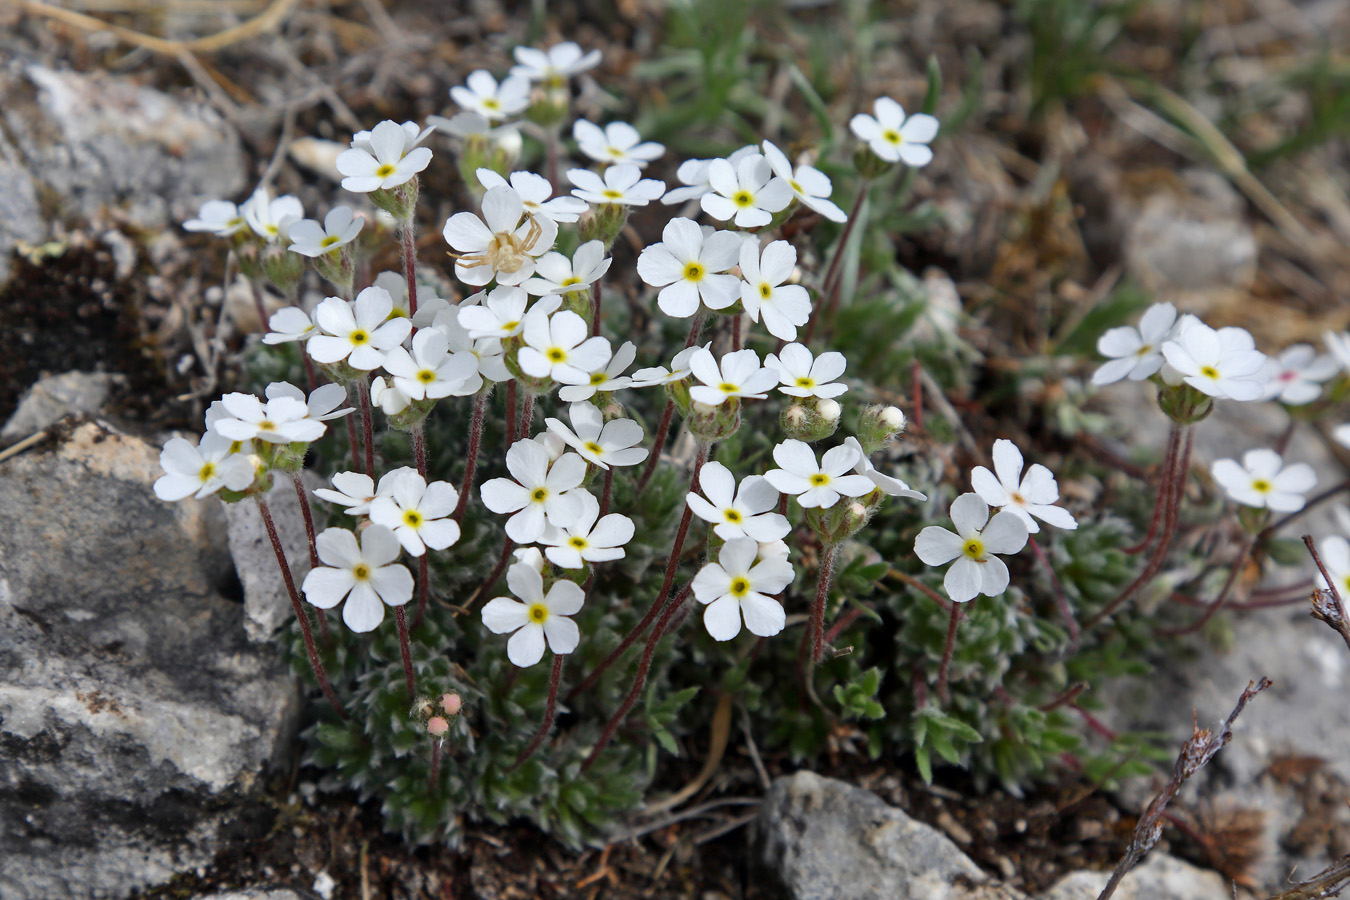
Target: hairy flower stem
[
  {"x": 1222, "y": 600},
  {"x": 310, "y": 650},
  {"x": 658, "y": 444},
  {"x": 824, "y": 575},
  {"x": 639, "y": 679},
  {"x": 550, "y": 708},
  {"x": 1061, "y": 601},
  {"x": 736, "y": 332},
  {"x": 1164, "y": 487},
  {"x": 553, "y": 152},
  {"x": 666, "y": 584},
  {"x": 401, "y": 617},
  {"x": 367, "y": 424},
  {"x": 353, "y": 441},
  {"x": 510, "y": 412},
  {"x": 260, "y": 306},
  {"x": 419, "y": 437},
  {"x": 947, "y": 649},
  {"x": 471, "y": 464},
  {"x": 595, "y": 312},
  {"x": 308, "y": 514},
  {"x": 423, "y": 589},
  {"x": 407, "y": 236},
  {"x": 434, "y": 778},
  {"x": 526, "y": 416}
]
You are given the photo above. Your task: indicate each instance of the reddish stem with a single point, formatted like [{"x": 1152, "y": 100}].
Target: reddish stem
[
  {"x": 526, "y": 416},
  {"x": 823, "y": 577},
  {"x": 510, "y": 412},
  {"x": 1222, "y": 600},
  {"x": 595, "y": 312},
  {"x": 407, "y": 236},
  {"x": 470, "y": 467},
  {"x": 608, "y": 493},
  {"x": 550, "y": 708},
  {"x": 947, "y": 650},
  {"x": 308, "y": 514},
  {"x": 423, "y": 588},
  {"x": 433, "y": 780},
  {"x": 367, "y": 424},
  {"x": 405, "y": 650},
  {"x": 1061, "y": 601},
  {"x": 1164, "y": 488}
]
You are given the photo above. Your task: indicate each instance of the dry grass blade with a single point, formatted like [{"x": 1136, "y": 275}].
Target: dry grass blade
[{"x": 265, "y": 21}]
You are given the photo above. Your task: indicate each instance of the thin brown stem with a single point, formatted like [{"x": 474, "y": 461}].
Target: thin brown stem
[
  {"x": 1222, "y": 600},
  {"x": 510, "y": 412},
  {"x": 434, "y": 778},
  {"x": 311, "y": 651},
  {"x": 736, "y": 332},
  {"x": 355, "y": 444},
  {"x": 420, "y": 450},
  {"x": 824, "y": 575},
  {"x": 526, "y": 416},
  {"x": 1164, "y": 490},
  {"x": 308, "y": 515},
  {"x": 406, "y": 651},
  {"x": 492, "y": 578},
  {"x": 471, "y": 465},
  {"x": 367, "y": 423},
  {"x": 658, "y": 444},
  {"x": 607, "y": 494},
  {"x": 407, "y": 236},
  {"x": 921, "y": 588},
  {"x": 1335, "y": 614},
  {"x": 423, "y": 588},
  {"x": 947, "y": 649},
  {"x": 550, "y": 708},
  {"x": 595, "y": 311},
  {"x": 260, "y": 306}
]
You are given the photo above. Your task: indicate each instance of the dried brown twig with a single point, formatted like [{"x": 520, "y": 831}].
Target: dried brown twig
[
  {"x": 1198, "y": 750},
  {"x": 1327, "y": 883},
  {"x": 1326, "y": 604}
]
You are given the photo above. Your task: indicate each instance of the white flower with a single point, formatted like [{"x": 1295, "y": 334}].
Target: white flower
[
  {"x": 892, "y": 136},
  {"x": 817, "y": 484},
  {"x": 418, "y": 513},
  {"x": 1025, "y": 496},
  {"x": 360, "y": 333},
  {"x": 809, "y": 185},
  {"x": 502, "y": 313},
  {"x": 288, "y": 324},
  {"x": 977, "y": 570},
  {"x": 535, "y": 191},
  {"x": 689, "y": 267},
  {"x": 678, "y": 371},
  {"x": 1335, "y": 552},
  {"x": 584, "y": 539},
  {"x": 737, "y": 586},
  {"x": 219, "y": 217},
  {"x": 749, "y": 192},
  {"x": 530, "y": 556},
  {"x": 1339, "y": 345},
  {"x": 560, "y": 344},
  {"x": 339, "y": 229},
  {"x": 282, "y": 420},
  {"x": 202, "y": 470},
  {"x": 271, "y": 218},
  {"x": 608, "y": 377},
  {"x": 622, "y": 185},
  {"x": 616, "y": 143},
  {"x": 491, "y": 100},
  {"x": 539, "y": 493},
  {"x": 893, "y": 487},
  {"x": 1296, "y": 376},
  {"x": 556, "y": 274},
  {"x": 1264, "y": 481},
  {"x": 1136, "y": 353},
  {"x": 554, "y": 65},
  {"x": 1223, "y": 363},
  {"x": 356, "y": 491},
  {"x": 693, "y": 174},
  {"x": 800, "y": 375},
  {"x": 783, "y": 307},
  {"x": 733, "y": 513},
  {"x": 606, "y": 444},
  {"x": 485, "y": 352},
  {"x": 541, "y": 617},
  {"x": 366, "y": 575},
  {"x": 387, "y": 397},
  {"x": 412, "y": 137},
  {"x": 737, "y": 375},
  {"x": 504, "y": 248},
  {"x": 429, "y": 372},
  {"x": 383, "y": 160},
  {"x": 322, "y": 403}
]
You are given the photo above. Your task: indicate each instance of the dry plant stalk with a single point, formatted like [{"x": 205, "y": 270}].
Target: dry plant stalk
[
  {"x": 1198, "y": 750},
  {"x": 1327, "y": 883}
]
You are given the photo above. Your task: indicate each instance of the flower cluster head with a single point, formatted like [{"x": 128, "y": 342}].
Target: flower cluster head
[
  {"x": 601, "y": 443},
  {"x": 202, "y": 470},
  {"x": 363, "y": 573},
  {"x": 802, "y": 375},
  {"x": 690, "y": 268},
  {"x": 498, "y": 245},
  {"x": 893, "y": 136},
  {"x": 617, "y": 143},
  {"x": 976, "y": 570},
  {"x": 417, "y": 512},
  {"x": 560, "y": 347},
  {"x": 737, "y": 375},
  {"x": 385, "y": 157},
  {"x": 270, "y": 218},
  {"x": 809, "y": 185},
  {"x": 740, "y": 585},
  {"x": 1263, "y": 481},
  {"x": 340, "y": 227},
  {"x": 1220, "y": 363},
  {"x": 536, "y": 618},
  {"x": 620, "y": 185},
  {"x": 1029, "y": 497},
  {"x": 693, "y": 176}
]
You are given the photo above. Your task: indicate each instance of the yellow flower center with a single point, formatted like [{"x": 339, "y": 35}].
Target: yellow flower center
[
  {"x": 727, "y": 388},
  {"x": 891, "y": 136},
  {"x": 538, "y": 613},
  {"x": 361, "y": 571},
  {"x": 599, "y": 378},
  {"x": 739, "y": 587},
  {"x": 1209, "y": 371},
  {"x": 492, "y": 103},
  {"x": 595, "y": 448},
  {"x": 1262, "y": 486},
  {"x": 612, "y": 194},
  {"x": 973, "y": 548},
  {"x": 207, "y": 471},
  {"x": 329, "y": 241},
  {"x": 820, "y": 479},
  {"x": 267, "y": 425},
  {"x": 359, "y": 337},
  {"x": 765, "y": 290},
  {"x": 743, "y": 199},
  {"x": 426, "y": 376},
  {"x": 805, "y": 382},
  {"x": 693, "y": 272},
  {"x": 556, "y": 354},
  {"x": 568, "y": 282},
  {"x": 796, "y": 187},
  {"x": 579, "y": 542},
  {"x": 412, "y": 518},
  {"x": 732, "y": 515},
  {"x": 539, "y": 495},
  {"x": 1017, "y": 499},
  {"x": 385, "y": 170}
]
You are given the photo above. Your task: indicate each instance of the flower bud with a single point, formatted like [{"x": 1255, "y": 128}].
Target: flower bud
[
  {"x": 877, "y": 425},
  {"x": 678, "y": 392},
  {"x": 248, "y": 253},
  {"x": 603, "y": 223},
  {"x": 437, "y": 726},
  {"x": 452, "y": 704},
  {"x": 714, "y": 423},
  {"x": 868, "y": 164},
  {"x": 810, "y": 419},
  {"x": 399, "y": 202},
  {"x": 549, "y": 107},
  {"x": 580, "y": 302},
  {"x": 828, "y": 409},
  {"x": 1184, "y": 404},
  {"x": 336, "y": 268}
]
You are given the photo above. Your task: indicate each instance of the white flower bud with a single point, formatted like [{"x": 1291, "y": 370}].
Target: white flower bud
[
  {"x": 829, "y": 410},
  {"x": 892, "y": 418}
]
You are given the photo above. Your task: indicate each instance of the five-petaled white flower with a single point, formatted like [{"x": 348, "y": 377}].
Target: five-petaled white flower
[
  {"x": 893, "y": 487},
  {"x": 817, "y": 484},
  {"x": 1264, "y": 481},
  {"x": 689, "y": 267},
  {"x": 355, "y": 491},
  {"x": 584, "y": 539},
  {"x": 555, "y": 65},
  {"x": 339, "y": 229},
  {"x": 560, "y": 344},
  {"x": 606, "y": 444},
  {"x": 621, "y": 185},
  {"x": 502, "y": 313},
  {"x": 383, "y": 158},
  {"x": 219, "y": 217},
  {"x": 493, "y": 101},
  {"x": 429, "y": 371},
  {"x": 540, "y": 492},
  {"x": 801, "y": 375},
  {"x": 365, "y": 574},
  {"x": 556, "y": 274},
  {"x": 271, "y": 218},
  {"x": 1297, "y": 374},
  {"x": 322, "y": 403},
  {"x": 360, "y": 333},
  {"x": 289, "y": 323},
  {"x": 616, "y": 143},
  {"x": 1223, "y": 363},
  {"x": 418, "y": 513},
  {"x": 536, "y": 617},
  {"x": 748, "y": 193},
  {"x": 809, "y": 185},
  {"x": 738, "y": 513},
  {"x": 608, "y": 377},
  {"x": 281, "y": 420},
  {"x": 693, "y": 175},
  {"x": 737, "y": 586},
  {"x": 783, "y": 307},
  {"x": 976, "y": 570},
  {"x": 504, "y": 248},
  {"x": 1136, "y": 353},
  {"x": 202, "y": 470},
  {"x": 738, "y": 374},
  {"x": 1033, "y": 494},
  {"x": 678, "y": 371},
  {"x": 535, "y": 191},
  {"x": 893, "y": 136}
]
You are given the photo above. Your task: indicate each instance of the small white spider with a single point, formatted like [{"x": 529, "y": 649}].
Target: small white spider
[{"x": 498, "y": 245}]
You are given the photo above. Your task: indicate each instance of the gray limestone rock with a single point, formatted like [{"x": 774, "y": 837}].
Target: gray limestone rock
[
  {"x": 135, "y": 717},
  {"x": 54, "y": 397},
  {"x": 1158, "y": 877}
]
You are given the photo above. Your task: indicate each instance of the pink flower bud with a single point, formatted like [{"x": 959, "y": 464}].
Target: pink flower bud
[
  {"x": 437, "y": 726},
  {"x": 452, "y": 704}
]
